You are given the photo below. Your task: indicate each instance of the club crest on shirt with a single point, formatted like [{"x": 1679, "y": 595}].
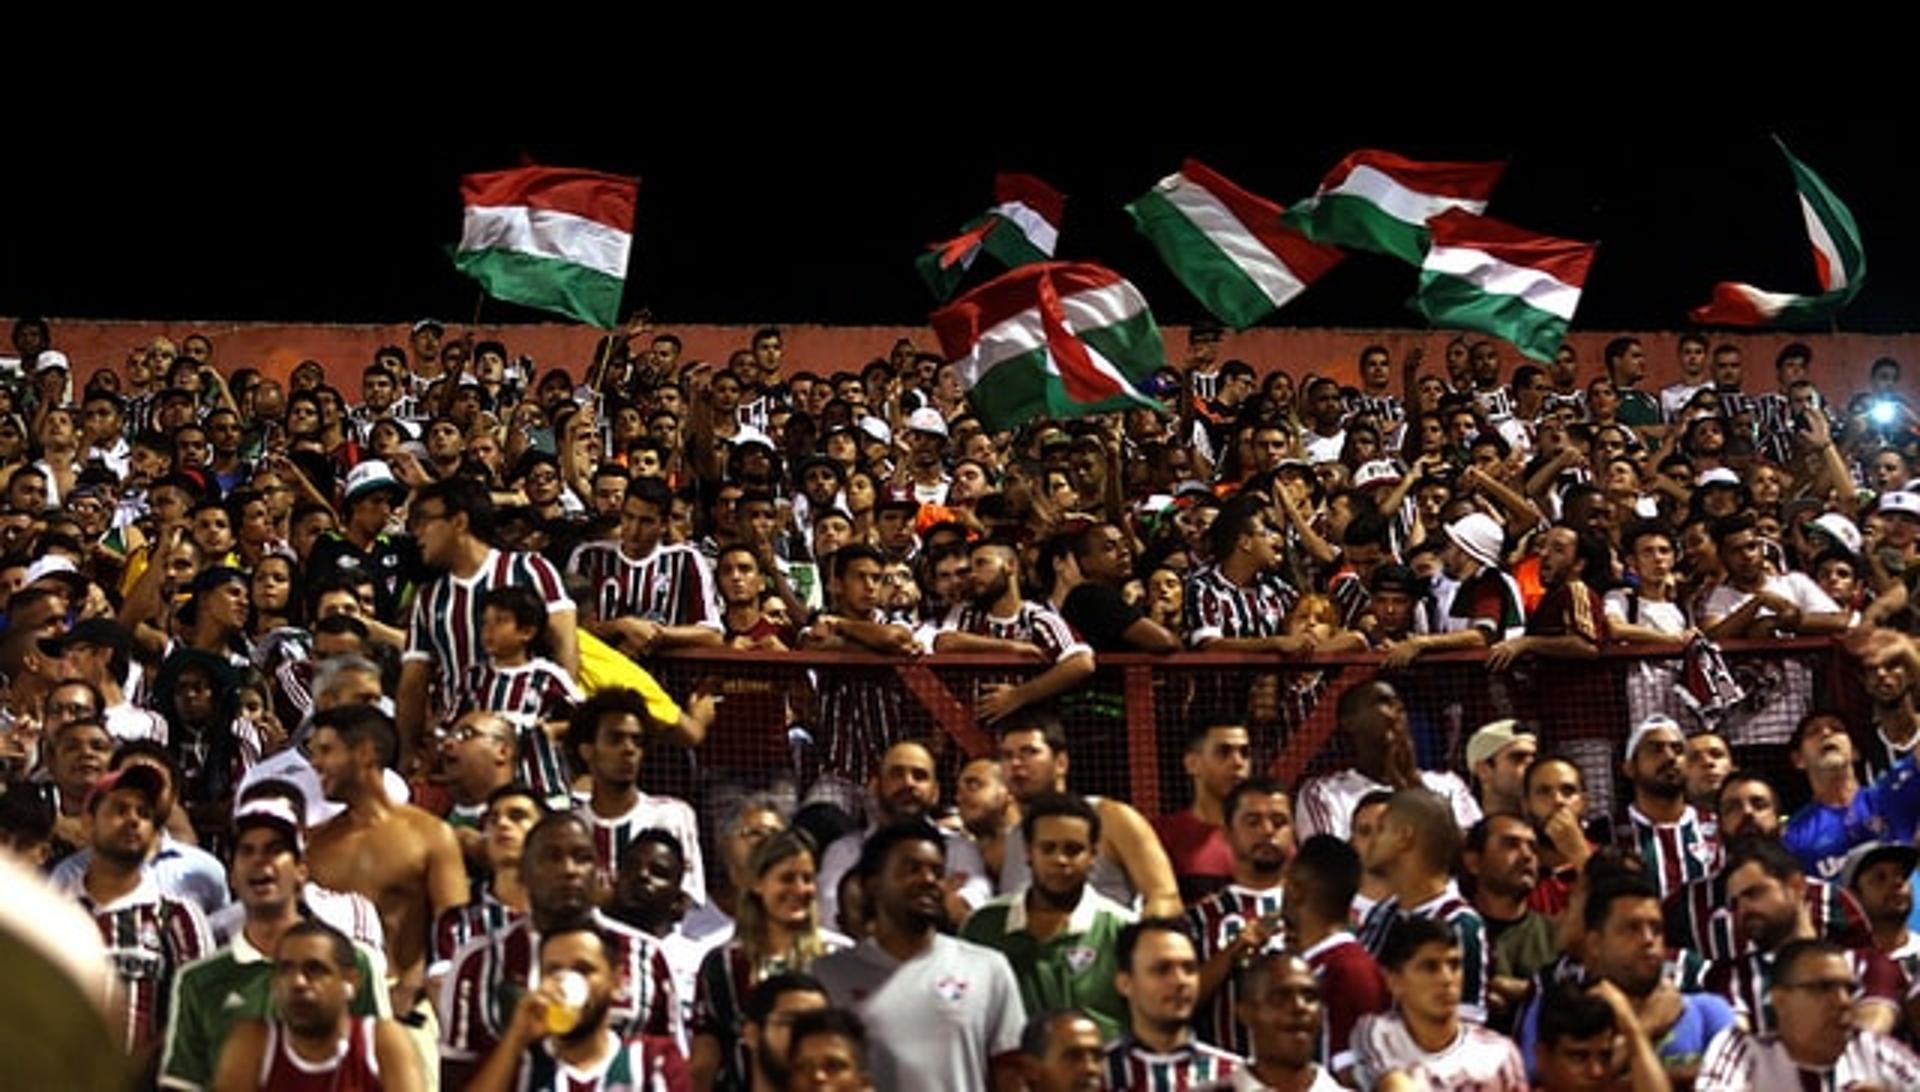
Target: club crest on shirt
[
  {"x": 1080, "y": 957},
  {"x": 951, "y": 988}
]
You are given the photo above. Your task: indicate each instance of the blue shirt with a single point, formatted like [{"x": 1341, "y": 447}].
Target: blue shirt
[
  {"x": 182, "y": 871},
  {"x": 1704, "y": 1016},
  {"x": 1886, "y": 811}
]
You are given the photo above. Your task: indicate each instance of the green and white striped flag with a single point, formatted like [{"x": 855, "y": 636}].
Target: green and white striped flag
[
  {"x": 1378, "y": 201},
  {"x": 1839, "y": 263},
  {"x": 550, "y": 237},
  {"x": 1481, "y": 274}
]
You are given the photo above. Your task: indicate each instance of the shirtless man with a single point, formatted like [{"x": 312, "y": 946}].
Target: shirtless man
[{"x": 404, "y": 859}]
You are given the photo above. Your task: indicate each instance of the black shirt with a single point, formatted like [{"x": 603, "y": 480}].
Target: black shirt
[{"x": 1099, "y": 614}]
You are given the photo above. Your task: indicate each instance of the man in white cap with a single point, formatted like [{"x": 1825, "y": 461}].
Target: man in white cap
[
  {"x": 363, "y": 544},
  {"x": 926, "y": 453},
  {"x": 1487, "y": 605},
  {"x": 1899, "y": 512},
  {"x": 1498, "y": 756},
  {"x": 1664, "y": 828}
]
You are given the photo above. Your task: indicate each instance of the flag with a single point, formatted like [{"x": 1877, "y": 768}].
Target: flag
[
  {"x": 1022, "y": 227},
  {"x": 1378, "y": 201},
  {"x": 1481, "y": 274},
  {"x": 550, "y": 237},
  {"x": 1054, "y": 339},
  {"x": 1839, "y": 263},
  {"x": 1228, "y": 246}
]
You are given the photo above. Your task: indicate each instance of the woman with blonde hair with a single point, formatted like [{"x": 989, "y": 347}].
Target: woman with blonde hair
[{"x": 776, "y": 931}]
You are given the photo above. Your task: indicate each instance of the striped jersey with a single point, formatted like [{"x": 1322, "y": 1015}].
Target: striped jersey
[
  {"x": 1217, "y": 607},
  {"x": 445, "y": 630},
  {"x": 1035, "y": 623},
  {"x": 1477, "y": 1060},
  {"x": 673, "y": 585},
  {"x": 491, "y": 973},
  {"x": 1476, "y": 955},
  {"x": 1746, "y": 981},
  {"x": 611, "y": 837},
  {"x": 149, "y": 937},
  {"x": 861, "y": 713},
  {"x": 355, "y": 1069},
  {"x": 1737, "y": 1061},
  {"x": 529, "y": 695},
  {"x": 1352, "y": 985},
  {"x": 1676, "y": 853},
  {"x": 727, "y": 976},
  {"x": 458, "y": 926},
  {"x": 1213, "y": 923},
  {"x": 1132, "y": 1067},
  {"x": 1385, "y": 409},
  {"x": 637, "y": 1063},
  {"x": 1699, "y": 919}
]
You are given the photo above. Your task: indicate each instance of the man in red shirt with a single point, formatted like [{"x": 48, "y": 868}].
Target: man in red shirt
[{"x": 1219, "y": 756}]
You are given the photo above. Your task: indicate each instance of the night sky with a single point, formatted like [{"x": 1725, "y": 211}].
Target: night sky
[{"x": 811, "y": 214}]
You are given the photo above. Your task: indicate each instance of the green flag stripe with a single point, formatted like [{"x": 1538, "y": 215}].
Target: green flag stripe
[
  {"x": 1206, "y": 270},
  {"x": 1452, "y": 301},
  {"x": 1020, "y": 388},
  {"x": 1835, "y": 214},
  {"x": 574, "y": 290},
  {"x": 1339, "y": 219},
  {"x": 1009, "y": 244}
]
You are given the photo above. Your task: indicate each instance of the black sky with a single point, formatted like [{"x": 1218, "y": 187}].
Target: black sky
[{"x": 814, "y": 212}]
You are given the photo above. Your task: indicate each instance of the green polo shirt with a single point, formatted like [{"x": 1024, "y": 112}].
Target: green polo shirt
[
  {"x": 1072, "y": 970},
  {"x": 233, "y": 984}
]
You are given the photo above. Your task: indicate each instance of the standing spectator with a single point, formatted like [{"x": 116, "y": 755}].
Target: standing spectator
[
  {"x": 1219, "y": 757},
  {"x": 1285, "y": 1013},
  {"x": 1374, "y": 719},
  {"x": 1000, "y": 619},
  {"x": 609, "y": 735},
  {"x": 1426, "y": 1037},
  {"x": 1242, "y": 919},
  {"x": 1320, "y": 884},
  {"x": 1881, "y": 874},
  {"x": 525, "y": 688},
  {"x": 1664, "y": 829},
  {"x": 1843, "y": 813},
  {"x": 647, "y": 594},
  {"x": 1415, "y": 848},
  {"x": 1159, "y": 977}
]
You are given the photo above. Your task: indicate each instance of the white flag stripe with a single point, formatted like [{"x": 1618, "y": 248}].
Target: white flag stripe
[
  {"x": 1023, "y": 333},
  {"x": 1399, "y": 202},
  {"x": 1765, "y": 302},
  {"x": 1499, "y": 278},
  {"x": 545, "y": 233},
  {"x": 1822, "y": 241},
  {"x": 1225, "y": 230},
  {"x": 1042, "y": 235}
]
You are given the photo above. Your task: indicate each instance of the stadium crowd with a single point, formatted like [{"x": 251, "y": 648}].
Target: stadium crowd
[{"x": 334, "y": 703}]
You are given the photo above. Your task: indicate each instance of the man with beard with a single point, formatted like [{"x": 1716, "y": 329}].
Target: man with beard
[
  {"x": 1570, "y": 623},
  {"x": 1000, "y": 619},
  {"x": 1622, "y": 944},
  {"x": 1819, "y": 1043},
  {"x": 1160, "y": 978},
  {"x": 1756, "y": 602},
  {"x": 1881, "y": 875},
  {"x": 1895, "y": 721},
  {"x": 406, "y": 860},
  {"x": 491, "y": 973},
  {"x": 1059, "y": 933},
  {"x": 1415, "y": 848},
  {"x": 563, "y": 1038},
  {"x": 1662, "y": 826},
  {"x": 1503, "y": 859},
  {"x": 987, "y": 810},
  {"x": 609, "y": 735},
  {"x": 1320, "y": 884},
  {"x": 314, "y": 1041},
  {"x": 1498, "y": 755},
  {"x": 1843, "y": 813},
  {"x": 1242, "y": 919},
  {"x": 943, "y": 1013},
  {"x": 1282, "y": 1006},
  {"x": 1767, "y": 889},
  {"x": 905, "y": 789},
  {"x": 210, "y": 995},
  {"x": 771, "y": 1010}
]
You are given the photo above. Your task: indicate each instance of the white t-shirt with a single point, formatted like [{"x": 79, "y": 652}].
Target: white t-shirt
[
  {"x": 1665, "y": 617},
  {"x": 1796, "y": 587},
  {"x": 963, "y": 859},
  {"x": 1738, "y": 1060},
  {"x": 1327, "y": 803},
  {"x": 934, "y": 1021},
  {"x": 1478, "y": 1059},
  {"x": 1323, "y": 449}
]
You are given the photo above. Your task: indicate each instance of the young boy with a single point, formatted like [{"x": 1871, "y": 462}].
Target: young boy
[{"x": 534, "y": 693}]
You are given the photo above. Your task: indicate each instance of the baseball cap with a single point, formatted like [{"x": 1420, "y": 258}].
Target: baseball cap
[
  {"x": 927, "y": 419},
  {"x": 1480, "y": 535},
  {"x": 89, "y": 631},
  {"x": 49, "y": 360},
  {"x": 1493, "y": 738},
  {"x": 1841, "y": 530},
  {"x": 748, "y": 436},
  {"x": 137, "y": 776},
  {"x": 1377, "y": 472},
  {"x": 372, "y": 476},
  {"x": 1901, "y": 501},
  {"x": 275, "y": 812},
  {"x": 1397, "y": 578},
  {"x": 1717, "y": 476},
  {"x": 429, "y": 324},
  {"x": 1867, "y": 854},
  {"x": 876, "y": 430},
  {"x": 901, "y": 500},
  {"x": 1653, "y": 723},
  {"x": 55, "y": 565}
]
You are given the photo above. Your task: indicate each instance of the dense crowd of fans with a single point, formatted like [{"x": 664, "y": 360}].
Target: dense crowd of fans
[{"x": 333, "y": 702}]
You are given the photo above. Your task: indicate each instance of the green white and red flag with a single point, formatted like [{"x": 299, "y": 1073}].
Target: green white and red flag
[
  {"x": 1229, "y": 247},
  {"x": 1481, "y": 274},
  {"x": 1839, "y": 264},
  {"x": 1378, "y": 201},
  {"x": 555, "y": 238},
  {"x": 1022, "y": 227},
  {"x": 1054, "y": 339}
]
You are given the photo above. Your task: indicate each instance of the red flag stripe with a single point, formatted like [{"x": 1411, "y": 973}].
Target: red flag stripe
[
  {"x": 1307, "y": 259},
  {"x": 1732, "y": 304},
  {"x": 1565, "y": 260},
  {"x": 960, "y": 323},
  {"x": 1468, "y": 181},
  {"x": 1050, "y": 203},
  {"x": 1078, "y": 374},
  {"x": 605, "y": 198}
]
